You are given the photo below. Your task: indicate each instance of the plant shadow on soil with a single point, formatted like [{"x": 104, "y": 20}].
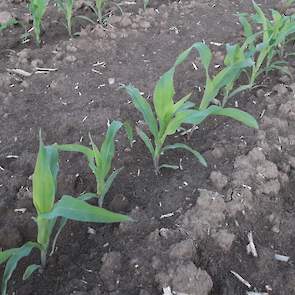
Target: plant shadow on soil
[{"x": 136, "y": 258}]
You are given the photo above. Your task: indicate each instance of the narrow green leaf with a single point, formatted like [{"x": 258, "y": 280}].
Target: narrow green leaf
[
  {"x": 186, "y": 106},
  {"x": 87, "y": 196},
  {"x": 177, "y": 121},
  {"x": 205, "y": 54},
  {"x": 143, "y": 106},
  {"x": 62, "y": 223},
  {"x": 76, "y": 148},
  {"x": 163, "y": 97},
  {"x": 146, "y": 140},
  {"x": 129, "y": 130},
  {"x": 182, "y": 56},
  {"x": 83, "y": 17},
  {"x": 179, "y": 104},
  {"x": 247, "y": 28},
  {"x": 110, "y": 180},
  {"x": 44, "y": 178},
  {"x": 75, "y": 209},
  {"x": 4, "y": 255},
  {"x": 107, "y": 149},
  {"x": 263, "y": 20},
  {"x": 174, "y": 167},
  {"x": 98, "y": 166},
  {"x": 12, "y": 262},
  {"x": 238, "y": 115},
  {"x": 196, "y": 117},
  {"x": 29, "y": 270},
  {"x": 200, "y": 158}
]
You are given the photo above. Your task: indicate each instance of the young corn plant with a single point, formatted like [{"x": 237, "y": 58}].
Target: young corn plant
[
  {"x": 100, "y": 160},
  {"x": 66, "y": 6},
  {"x": 8, "y": 24},
  {"x": 145, "y": 4},
  {"x": 98, "y": 9},
  {"x": 275, "y": 33},
  {"x": 38, "y": 9},
  {"x": 168, "y": 116},
  {"x": 48, "y": 211}
]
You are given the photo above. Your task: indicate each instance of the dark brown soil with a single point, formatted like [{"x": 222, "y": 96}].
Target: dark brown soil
[{"x": 248, "y": 186}]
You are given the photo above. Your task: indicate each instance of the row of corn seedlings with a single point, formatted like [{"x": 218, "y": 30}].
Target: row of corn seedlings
[
  {"x": 274, "y": 32},
  {"x": 164, "y": 117},
  {"x": 38, "y": 9}
]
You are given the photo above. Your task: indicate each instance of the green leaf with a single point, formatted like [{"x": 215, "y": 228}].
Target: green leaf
[
  {"x": 129, "y": 130},
  {"x": 196, "y": 117},
  {"x": 146, "y": 140},
  {"x": 98, "y": 166},
  {"x": 263, "y": 20},
  {"x": 7, "y": 24},
  {"x": 186, "y": 147},
  {"x": 176, "y": 122},
  {"x": 143, "y": 106},
  {"x": 238, "y": 90},
  {"x": 174, "y": 167},
  {"x": 223, "y": 78},
  {"x": 75, "y": 209},
  {"x": 205, "y": 54},
  {"x": 107, "y": 149},
  {"x": 83, "y": 17},
  {"x": 61, "y": 225},
  {"x": 63, "y": 221},
  {"x": 87, "y": 196},
  {"x": 163, "y": 97},
  {"x": 247, "y": 28},
  {"x": 238, "y": 115},
  {"x": 186, "y": 106},
  {"x": 181, "y": 104},
  {"x": 12, "y": 262},
  {"x": 4, "y": 255},
  {"x": 29, "y": 270},
  {"x": 76, "y": 148},
  {"x": 110, "y": 180},
  {"x": 182, "y": 56},
  {"x": 44, "y": 178}
]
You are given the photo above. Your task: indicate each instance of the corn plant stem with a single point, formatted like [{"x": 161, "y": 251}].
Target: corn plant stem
[
  {"x": 100, "y": 187},
  {"x": 43, "y": 258},
  {"x": 43, "y": 238},
  {"x": 69, "y": 28},
  {"x": 156, "y": 157}
]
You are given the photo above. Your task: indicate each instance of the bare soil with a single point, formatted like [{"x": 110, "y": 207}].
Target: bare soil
[{"x": 248, "y": 186}]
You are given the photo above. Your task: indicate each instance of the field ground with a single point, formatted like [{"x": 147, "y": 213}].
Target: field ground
[{"x": 248, "y": 185}]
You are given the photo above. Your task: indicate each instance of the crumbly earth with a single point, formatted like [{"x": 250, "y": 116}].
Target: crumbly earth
[{"x": 191, "y": 225}]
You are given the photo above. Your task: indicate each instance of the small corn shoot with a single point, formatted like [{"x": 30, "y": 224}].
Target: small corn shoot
[
  {"x": 48, "y": 211},
  {"x": 38, "y": 9},
  {"x": 66, "y": 6},
  {"x": 98, "y": 9},
  {"x": 100, "y": 160},
  {"x": 11, "y": 22},
  {"x": 275, "y": 34},
  {"x": 169, "y": 116}
]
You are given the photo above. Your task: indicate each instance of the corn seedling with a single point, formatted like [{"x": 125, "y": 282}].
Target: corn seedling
[
  {"x": 145, "y": 4},
  {"x": 98, "y": 9},
  {"x": 66, "y": 6},
  {"x": 38, "y": 9},
  {"x": 168, "y": 116},
  {"x": 100, "y": 160},
  {"x": 9, "y": 23},
  {"x": 275, "y": 34},
  {"x": 48, "y": 211}
]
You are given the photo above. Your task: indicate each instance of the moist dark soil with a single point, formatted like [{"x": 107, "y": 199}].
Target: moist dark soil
[{"x": 192, "y": 225}]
